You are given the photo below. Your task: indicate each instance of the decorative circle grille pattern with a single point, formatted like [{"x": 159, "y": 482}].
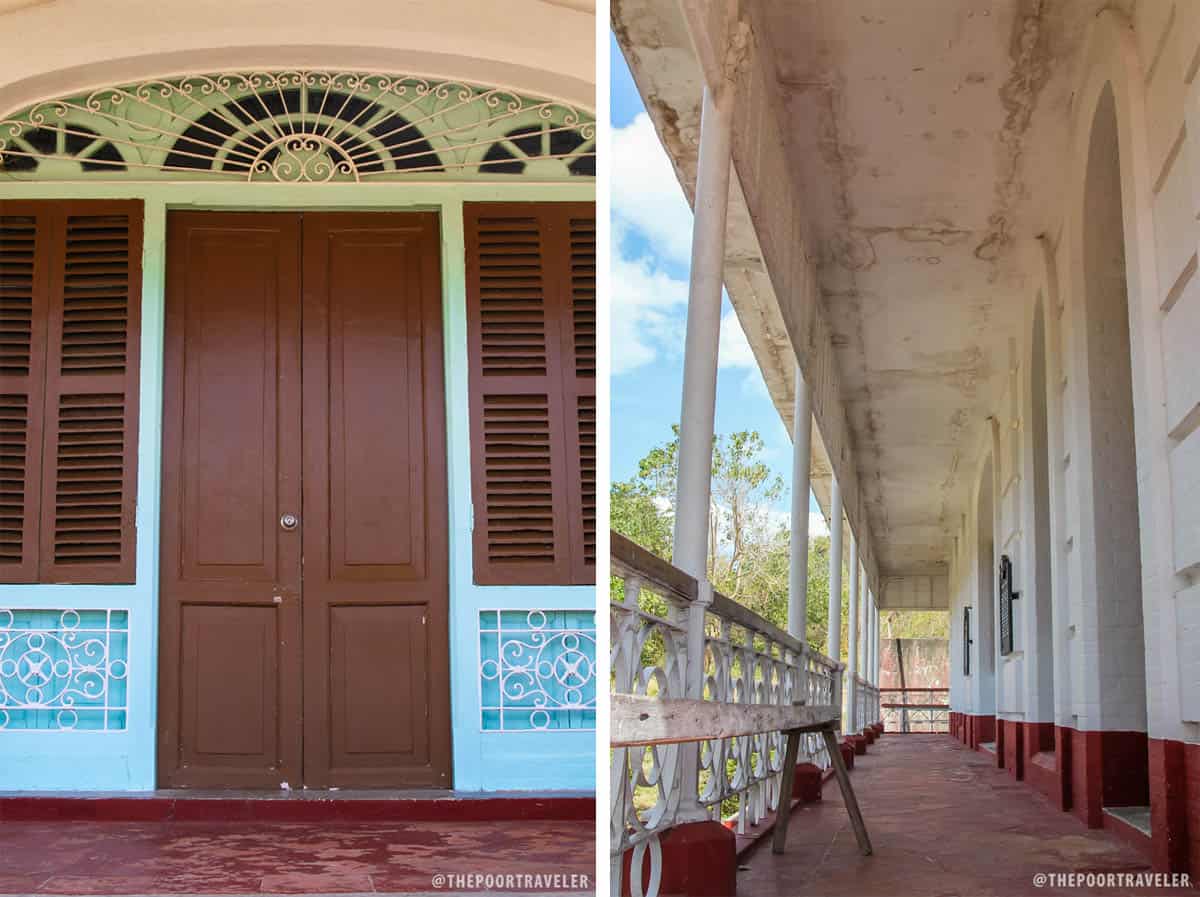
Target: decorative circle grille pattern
[
  {"x": 63, "y": 669},
  {"x": 298, "y": 127},
  {"x": 537, "y": 669}
]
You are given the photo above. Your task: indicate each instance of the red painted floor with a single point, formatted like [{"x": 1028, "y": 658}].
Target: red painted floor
[
  {"x": 943, "y": 820},
  {"x": 287, "y": 858}
]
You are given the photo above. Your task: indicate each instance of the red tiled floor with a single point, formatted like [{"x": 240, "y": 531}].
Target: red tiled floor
[
  {"x": 943, "y": 820},
  {"x": 283, "y": 858}
]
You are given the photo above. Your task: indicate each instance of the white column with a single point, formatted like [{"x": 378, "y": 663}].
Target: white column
[
  {"x": 852, "y": 648},
  {"x": 874, "y": 639},
  {"x": 864, "y": 614},
  {"x": 801, "y": 487},
  {"x": 694, "y": 485},
  {"x": 833, "y": 641},
  {"x": 869, "y": 674}
]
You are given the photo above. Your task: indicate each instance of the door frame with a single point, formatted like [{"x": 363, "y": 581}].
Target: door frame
[
  {"x": 128, "y": 759},
  {"x": 311, "y": 679}
]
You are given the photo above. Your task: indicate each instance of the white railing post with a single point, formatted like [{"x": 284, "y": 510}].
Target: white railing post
[
  {"x": 838, "y": 701},
  {"x": 694, "y": 486},
  {"x": 801, "y": 486},
  {"x": 852, "y": 647},
  {"x": 690, "y": 807}
]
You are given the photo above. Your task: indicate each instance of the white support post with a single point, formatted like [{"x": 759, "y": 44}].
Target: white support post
[
  {"x": 864, "y": 615},
  {"x": 874, "y": 639},
  {"x": 852, "y": 647},
  {"x": 801, "y": 489},
  {"x": 869, "y": 663},
  {"x": 870, "y": 652},
  {"x": 694, "y": 486},
  {"x": 833, "y": 641},
  {"x": 696, "y": 419}
]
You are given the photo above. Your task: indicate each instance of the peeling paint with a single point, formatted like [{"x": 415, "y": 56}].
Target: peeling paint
[{"x": 1019, "y": 94}]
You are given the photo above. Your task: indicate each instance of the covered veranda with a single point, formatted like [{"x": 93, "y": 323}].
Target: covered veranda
[{"x": 961, "y": 239}]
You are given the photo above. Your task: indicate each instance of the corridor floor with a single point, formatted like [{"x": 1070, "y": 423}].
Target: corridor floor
[
  {"x": 286, "y": 858},
  {"x": 943, "y": 820}
]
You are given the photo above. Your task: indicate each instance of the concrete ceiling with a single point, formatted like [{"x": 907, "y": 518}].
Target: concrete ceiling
[{"x": 926, "y": 135}]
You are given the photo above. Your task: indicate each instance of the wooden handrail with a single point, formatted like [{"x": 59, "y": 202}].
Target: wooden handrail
[
  {"x": 660, "y": 574},
  {"x": 726, "y": 607},
  {"x": 915, "y": 706},
  {"x": 651, "y": 567}
]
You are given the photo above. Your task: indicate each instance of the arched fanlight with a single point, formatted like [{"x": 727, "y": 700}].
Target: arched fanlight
[{"x": 297, "y": 126}]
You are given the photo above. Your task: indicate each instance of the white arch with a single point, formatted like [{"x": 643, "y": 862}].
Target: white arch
[
  {"x": 1110, "y": 59},
  {"x": 66, "y": 47}
]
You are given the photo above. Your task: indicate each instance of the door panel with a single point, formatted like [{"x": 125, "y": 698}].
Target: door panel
[
  {"x": 380, "y": 656},
  {"x": 339, "y": 676},
  {"x": 230, "y": 695},
  {"x": 376, "y": 580}
]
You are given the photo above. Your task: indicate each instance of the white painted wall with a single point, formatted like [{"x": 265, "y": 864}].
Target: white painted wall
[{"x": 1151, "y": 71}]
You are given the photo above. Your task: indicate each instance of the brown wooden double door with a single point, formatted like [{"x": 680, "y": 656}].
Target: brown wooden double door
[{"x": 304, "y": 584}]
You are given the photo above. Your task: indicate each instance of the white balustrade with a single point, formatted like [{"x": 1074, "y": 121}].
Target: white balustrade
[{"x": 741, "y": 659}]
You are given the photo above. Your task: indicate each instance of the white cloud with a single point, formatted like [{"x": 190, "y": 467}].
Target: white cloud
[
  {"x": 646, "y": 196},
  {"x": 647, "y": 322},
  {"x": 816, "y": 523},
  {"x": 735, "y": 351}
]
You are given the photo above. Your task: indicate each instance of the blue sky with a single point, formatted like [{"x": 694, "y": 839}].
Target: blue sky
[{"x": 652, "y": 225}]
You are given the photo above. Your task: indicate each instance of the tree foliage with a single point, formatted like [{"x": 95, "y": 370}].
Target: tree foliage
[{"x": 749, "y": 539}]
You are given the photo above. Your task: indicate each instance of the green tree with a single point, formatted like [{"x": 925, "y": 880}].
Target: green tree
[{"x": 749, "y": 555}]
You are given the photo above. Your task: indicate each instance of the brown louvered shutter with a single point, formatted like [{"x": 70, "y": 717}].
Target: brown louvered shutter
[
  {"x": 24, "y": 271},
  {"x": 531, "y": 298},
  {"x": 78, "y": 485}
]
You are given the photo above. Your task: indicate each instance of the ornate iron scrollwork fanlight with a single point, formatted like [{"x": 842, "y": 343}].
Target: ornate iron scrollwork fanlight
[{"x": 298, "y": 126}]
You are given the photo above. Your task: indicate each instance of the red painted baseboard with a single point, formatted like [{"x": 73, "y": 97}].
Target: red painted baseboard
[
  {"x": 1175, "y": 806},
  {"x": 154, "y": 808},
  {"x": 972, "y": 729},
  {"x": 1083, "y": 772},
  {"x": 699, "y": 860}
]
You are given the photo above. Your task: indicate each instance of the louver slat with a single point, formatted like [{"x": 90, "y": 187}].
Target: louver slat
[
  {"x": 90, "y": 446},
  {"x": 24, "y": 249},
  {"x": 17, "y": 248},
  {"x": 583, "y": 295},
  {"x": 587, "y": 476},
  {"x": 525, "y": 315},
  {"x": 579, "y": 383},
  {"x": 96, "y": 295},
  {"x": 14, "y": 469},
  {"x": 512, "y": 313},
  {"x": 519, "y": 476}
]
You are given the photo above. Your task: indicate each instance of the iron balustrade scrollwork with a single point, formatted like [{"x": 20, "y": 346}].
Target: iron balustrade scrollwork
[{"x": 674, "y": 637}]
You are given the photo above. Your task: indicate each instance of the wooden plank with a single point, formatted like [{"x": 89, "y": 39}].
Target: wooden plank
[
  {"x": 843, "y": 780},
  {"x": 654, "y": 570},
  {"x": 637, "y": 720},
  {"x": 726, "y": 607}
]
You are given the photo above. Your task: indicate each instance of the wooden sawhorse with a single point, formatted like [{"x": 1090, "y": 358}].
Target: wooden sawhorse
[{"x": 828, "y": 732}]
